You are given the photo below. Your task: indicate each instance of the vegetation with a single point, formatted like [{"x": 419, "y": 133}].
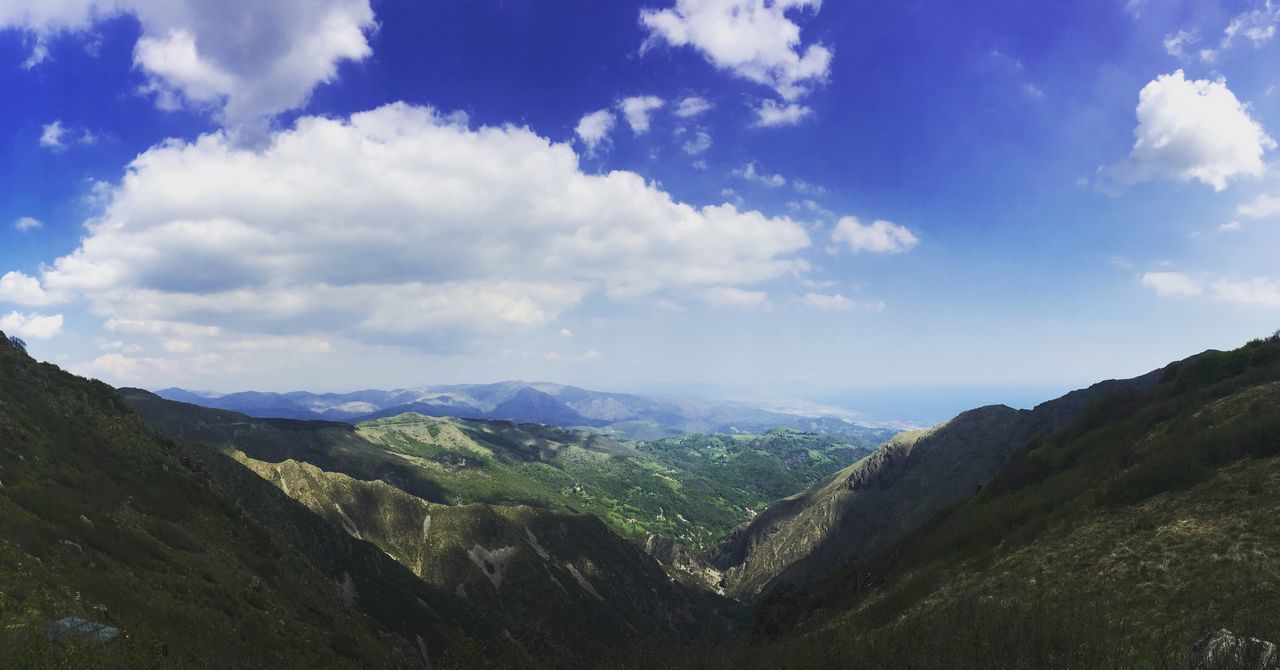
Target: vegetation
[
  {"x": 758, "y": 468},
  {"x": 106, "y": 522},
  {"x": 695, "y": 489},
  {"x": 1115, "y": 541}
]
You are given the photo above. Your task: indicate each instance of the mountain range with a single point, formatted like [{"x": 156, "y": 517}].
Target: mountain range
[
  {"x": 622, "y": 414},
  {"x": 1127, "y": 524}
]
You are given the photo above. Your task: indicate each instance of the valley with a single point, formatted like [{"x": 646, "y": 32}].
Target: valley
[{"x": 467, "y": 542}]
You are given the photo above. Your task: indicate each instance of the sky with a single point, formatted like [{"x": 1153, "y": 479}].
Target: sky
[{"x": 831, "y": 201}]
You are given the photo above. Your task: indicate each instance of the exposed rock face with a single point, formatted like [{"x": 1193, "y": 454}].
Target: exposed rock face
[
  {"x": 1224, "y": 649},
  {"x": 677, "y": 556},
  {"x": 862, "y": 509},
  {"x": 559, "y": 577}
]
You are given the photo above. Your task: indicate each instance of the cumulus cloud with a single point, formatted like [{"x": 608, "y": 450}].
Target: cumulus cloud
[
  {"x": 1261, "y": 207},
  {"x": 1258, "y": 25},
  {"x": 1172, "y": 284},
  {"x": 878, "y": 237},
  {"x": 828, "y": 303},
  {"x": 692, "y": 106},
  {"x": 16, "y": 287},
  {"x": 727, "y": 296},
  {"x": 51, "y": 135},
  {"x": 594, "y": 128},
  {"x": 394, "y": 226},
  {"x": 1176, "y": 44},
  {"x": 699, "y": 144},
  {"x": 771, "y": 115},
  {"x": 749, "y": 173},
  {"x": 755, "y": 40},
  {"x": 31, "y": 326},
  {"x": 245, "y": 60},
  {"x": 27, "y": 224},
  {"x": 637, "y": 110},
  {"x": 1191, "y": 130},
  {"x": 1257, "y": 291}
]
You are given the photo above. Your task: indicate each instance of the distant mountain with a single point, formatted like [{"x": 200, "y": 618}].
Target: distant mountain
[{"x": 622, "y": 414}]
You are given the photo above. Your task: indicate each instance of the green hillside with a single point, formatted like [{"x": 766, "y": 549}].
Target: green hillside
[
  {"x": 1116, "y": 540},
  {"x": 100, "y": 519},
  {"x": 652, "y": 488}
]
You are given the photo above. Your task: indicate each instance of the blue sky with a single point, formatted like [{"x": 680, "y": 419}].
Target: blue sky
[{"x": 829, "y": 198}]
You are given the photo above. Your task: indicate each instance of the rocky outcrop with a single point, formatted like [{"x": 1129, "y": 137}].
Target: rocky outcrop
[{"x": 1224, "y": 649}]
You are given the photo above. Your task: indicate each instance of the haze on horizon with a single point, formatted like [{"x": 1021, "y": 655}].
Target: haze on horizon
[{"x": 790, "y": 199}]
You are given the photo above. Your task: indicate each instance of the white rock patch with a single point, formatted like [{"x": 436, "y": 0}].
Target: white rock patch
[{"x": 491, "y": 563}]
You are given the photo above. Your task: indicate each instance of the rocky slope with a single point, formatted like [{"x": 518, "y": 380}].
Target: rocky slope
[
  {"x": 555, "y": 586},
  {"x": 863, "y": 508}
]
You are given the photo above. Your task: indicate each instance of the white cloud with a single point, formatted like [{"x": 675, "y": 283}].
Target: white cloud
[
  {"x": 692, "y": 106},
  {"x": 16, "y": 287},
  {"x": 1172, "y": 284},
  {"x": 699, "y": 144},
  {"x": 1230, "y": 227},
  {"x": 27, "y": 224},
  {"x": 244, "y": 59},
  {"x": 399, "y": 226},
  {"x": 1259, "y": 291},
  {"x": 752, "y": 39},
  {"x": 1176, "y": 44},
  {"x": 51, "y": 136},
  {"x": 31, "y": 326},
  {"x": 1261, "y": 207},
  {"x": 565, "y": 332},
  {"x": 57, "y": 137},
  {"x": 1192, "y": 130},
  {"x": 1257, "y": 25},
  {"x": 749, "y": 173},
  {"x": 727, "y": 296},
  {"x": 594, "y": 128},
  {"x": 828, "y": 303},
  {"x": 637, "y": 110},
  {"x": 878, "y": 237},
  {"x": 771, "y": 115}
]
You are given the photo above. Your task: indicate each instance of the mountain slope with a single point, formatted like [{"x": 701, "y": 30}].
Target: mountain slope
[
  {"x": 625, "y": 415},
  {"x": 97, "y": 511},
  {"x": 1115, "y": 541},
  {"x": 862, "y": 509},
  {"x": 561, "y": 585}
]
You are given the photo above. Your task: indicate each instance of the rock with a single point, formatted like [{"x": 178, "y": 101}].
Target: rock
[{"x": 1224, "y": 649}]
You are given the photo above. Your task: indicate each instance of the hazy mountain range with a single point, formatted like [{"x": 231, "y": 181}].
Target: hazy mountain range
[{"x": 623, "y": 414}]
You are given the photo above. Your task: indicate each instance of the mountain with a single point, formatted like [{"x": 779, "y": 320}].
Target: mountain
[
  {"x": 1137, "y": 520},
  {"x": 624, "y": 415},
  {"x": 861, "y": 509},
  {"x": 554, "y": 584},
  {"x": 681, "y": 488},
  {"x": 102, "y": 520}
]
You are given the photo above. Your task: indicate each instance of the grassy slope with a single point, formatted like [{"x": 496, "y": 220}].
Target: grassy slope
[
  {"x": 1114, "y": 542},
  {"x": 563, "y": 585},
  {"x": 658, "y": 488},
  {"x": 95, "y": 510}
]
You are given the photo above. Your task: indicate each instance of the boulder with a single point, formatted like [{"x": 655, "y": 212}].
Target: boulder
[{"x": 1224, "y": 649}]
